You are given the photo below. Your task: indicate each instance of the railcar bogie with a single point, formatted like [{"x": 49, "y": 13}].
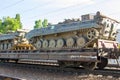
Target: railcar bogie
[{"x": 103, "y": 62}]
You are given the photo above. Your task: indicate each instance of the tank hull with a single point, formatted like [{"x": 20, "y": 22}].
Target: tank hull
[{"x": 73, "y": 33}]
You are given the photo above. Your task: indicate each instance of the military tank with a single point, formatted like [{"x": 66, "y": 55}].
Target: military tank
[
  {"x": 75, "y": 33},
  {"x": 13, "y": 40}
]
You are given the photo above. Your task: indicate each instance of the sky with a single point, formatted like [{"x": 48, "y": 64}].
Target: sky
[{"x": 56, "y": 10}]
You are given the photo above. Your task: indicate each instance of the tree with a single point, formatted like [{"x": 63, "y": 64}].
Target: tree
[
  {"x": 17, "y": 17},
  {"x": 10, "y": 24},
  {"x": 38, "y": 24},
  {"x": 0, "y": 26},
  {"x": 45, "y": 23}
]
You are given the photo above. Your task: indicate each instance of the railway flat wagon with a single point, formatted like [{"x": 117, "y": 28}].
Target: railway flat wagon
[
  {"x": 88, "y": 58},
  {"x": 88, "y": 42}
]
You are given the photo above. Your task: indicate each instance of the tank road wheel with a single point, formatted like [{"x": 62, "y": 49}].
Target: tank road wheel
[
  {"x": 52, "y": 43},
  {"x": 2, "y": 46},
  {"x": 31, "y": 41},
  {"x": 35, "y": 41},
  {"x": 89, "y": 65},
  {"x": 9, "y": 45},
  {"x": 92, "y": 33},
  {"x": 103, "y": 63},
  {"x": 81, "y": 41},
  {"x": 38, "y": 44},
  {"x": 60, "y": 43},
  {"x": 5, "y": 46},
  {"x": 45, "y": 44},
  {"x": 70, "y": 42}
]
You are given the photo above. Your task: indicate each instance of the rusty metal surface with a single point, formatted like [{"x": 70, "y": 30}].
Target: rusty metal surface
[
  {"x": 107, "y": 44},
  {"x": 69, "y": 56}
]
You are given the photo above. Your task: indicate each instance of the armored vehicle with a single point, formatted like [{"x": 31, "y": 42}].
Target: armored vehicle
[
  {"x": 12, "y": 39},
  {"x": 75, "y": 33}
]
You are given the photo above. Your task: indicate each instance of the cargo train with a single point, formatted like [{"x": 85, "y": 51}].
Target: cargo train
[{"x": 88, "y": 42}]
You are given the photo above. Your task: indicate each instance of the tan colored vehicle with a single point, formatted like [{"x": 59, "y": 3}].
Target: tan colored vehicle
[
  {"x": 75, "y": 33},
  {"x": 14, "y": 40}
]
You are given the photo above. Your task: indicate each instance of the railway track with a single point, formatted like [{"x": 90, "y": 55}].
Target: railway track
[{"x": 114, "y": 72}]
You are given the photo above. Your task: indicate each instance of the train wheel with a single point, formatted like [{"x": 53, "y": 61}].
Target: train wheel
[
  {"x": 70, "y": 42},
  {"x": 89, "y": 65},
  {"x": 103, "y": 63},
  {"x": 60, "y": 43},
  {"x": 45, "y": 43},
  {"x": 81, "y": 41},
  {"x": 52, "y": 43},
  {"x": 92, "y": 33}
]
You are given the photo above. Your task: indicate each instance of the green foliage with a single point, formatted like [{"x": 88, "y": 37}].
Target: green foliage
[
  {"x": 10, "y": 24},
  {"x": 0, "y": 26},
  {"x": 17, "y": 17},
  {"x": 119, "y": 46},
  {"x": 40, "y": 24},
  {"x": 45, "y": 23}
]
